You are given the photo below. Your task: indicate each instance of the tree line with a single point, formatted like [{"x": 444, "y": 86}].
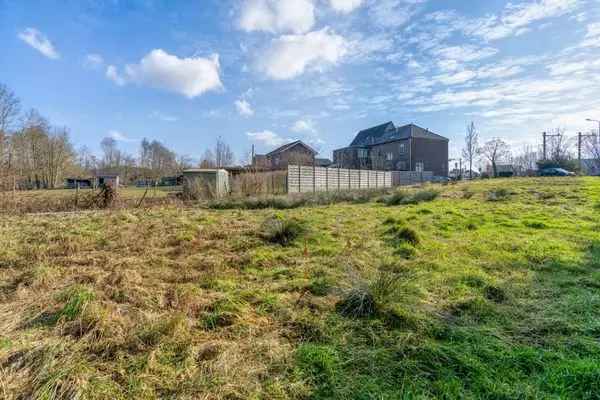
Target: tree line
[
  {"x": 34, "y": 154},
  {"x": 560, "y": 152}
]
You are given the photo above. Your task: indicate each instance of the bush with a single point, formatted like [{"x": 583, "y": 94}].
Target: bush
[{"x": 282, "y": 231}]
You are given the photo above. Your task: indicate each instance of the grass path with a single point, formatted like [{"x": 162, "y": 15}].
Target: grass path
[{"x": 490, "y": 291}]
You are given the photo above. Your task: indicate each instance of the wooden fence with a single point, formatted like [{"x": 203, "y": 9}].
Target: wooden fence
[{"x": 305, "y": 179}]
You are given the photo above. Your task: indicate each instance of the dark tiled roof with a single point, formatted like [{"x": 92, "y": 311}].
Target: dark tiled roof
[
  {"x": 374, "y": 135},
  {"x": 289, "y": 146},
  {"x": 388, "y": 132}
]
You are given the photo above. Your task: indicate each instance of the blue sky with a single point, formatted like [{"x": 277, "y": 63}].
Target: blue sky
[{"x": 266, "y": 71}]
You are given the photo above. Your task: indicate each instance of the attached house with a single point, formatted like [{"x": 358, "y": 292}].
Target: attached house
[
  {"x": 390, "y": 148},
  {"x": 295, "y": 153}
]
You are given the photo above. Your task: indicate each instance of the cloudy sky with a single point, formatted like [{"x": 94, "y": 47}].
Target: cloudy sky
[{"x": 267, "y": 71}]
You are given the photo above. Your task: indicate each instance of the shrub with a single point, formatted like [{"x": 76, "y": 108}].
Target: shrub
[{"x": 282, "y": 231}]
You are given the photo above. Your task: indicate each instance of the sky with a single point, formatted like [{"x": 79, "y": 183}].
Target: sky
[{"x": 265, "y": 72}]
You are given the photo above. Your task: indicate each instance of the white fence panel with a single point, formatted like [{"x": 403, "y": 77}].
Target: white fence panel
[{"x": 303, "y": 179}]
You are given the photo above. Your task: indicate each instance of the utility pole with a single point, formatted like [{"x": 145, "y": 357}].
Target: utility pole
[{"x": 544, "y": 134}]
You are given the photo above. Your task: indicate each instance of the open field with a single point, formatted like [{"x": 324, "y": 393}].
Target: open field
[{"x": 491, "y": 290}]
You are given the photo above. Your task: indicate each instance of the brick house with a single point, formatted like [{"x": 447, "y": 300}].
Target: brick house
[
  {"x": 390, "y": 148},
  {"x": 295, "y": 153}
]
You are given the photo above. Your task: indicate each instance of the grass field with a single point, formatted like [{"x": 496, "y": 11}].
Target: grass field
[
  {"x": 59, "y": 200},
  {"x": 491, "y": 290}
]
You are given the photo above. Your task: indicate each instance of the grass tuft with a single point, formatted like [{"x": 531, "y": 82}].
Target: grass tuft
[
  {"x": 76, "y": 300},
  {"x": 366, "y": 299},
  {"x": 403, "y": 197},
  {"x": 500, "y": 194},
  {"x": 282, "y": 231}
]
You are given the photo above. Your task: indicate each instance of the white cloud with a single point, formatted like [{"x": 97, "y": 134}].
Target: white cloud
[
  {"x": 303, "y": 125},
  {"x": 163, "y": 117},
  {"x": 120, "y": 137},
  {"x": 393, "y": 13},
  {"x": 190, "y": 77},
  {"x": 291, "y": 55},
  {"x": 93, "y": 61},
  {"x": 516, "y": 18},
  {"x": 40, "y": 42},
  {"x": 345, "y": 6},
  {"x": 465, "y": 53},
  {"x": 457, "y": 78},
  {"x": 277, "y": 16},
  {"x": 268, "y": 138},
  {"x": 592, "y": 37},
  {"x": 113, "y": 74},
  {"x": 244, "y": 108}
]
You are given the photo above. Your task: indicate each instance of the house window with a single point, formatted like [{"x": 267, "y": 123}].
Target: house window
[
  {"x": 402, "y": 148},
  {"x": 362, "y": 153},
  {"x": 419, "y": 167},
  {"x": 389, "y": 156}
]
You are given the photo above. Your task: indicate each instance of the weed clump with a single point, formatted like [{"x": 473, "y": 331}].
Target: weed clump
[
  {"x": 499, "y": 194},
  {"x": 495, "y": 294},
  {"x": 535, "y": 224},
  {"x": 320, "y": 286},
  {"x": 279, "y": 230},
  {"x": 76, "y": 300},
  {"x": 367, "y": 299},
  {"x": 401, "y": 234},
  {"x": 403, "y": 197}
]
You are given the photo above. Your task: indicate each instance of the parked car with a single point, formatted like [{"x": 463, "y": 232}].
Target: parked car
[
  {"x": 440, "y": 179},
  {"x": 556, "y": 172}
]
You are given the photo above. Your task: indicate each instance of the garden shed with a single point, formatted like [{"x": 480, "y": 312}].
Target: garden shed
[{"x": 205, "y": 183}]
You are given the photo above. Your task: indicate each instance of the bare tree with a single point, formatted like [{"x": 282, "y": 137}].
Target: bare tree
[
  {"x": 112, "y": 155},
  {"x": 592, "y": 148},
  {"x": 10, "y": 107},
  {"x": 223, "y": 154},
  {"x": 559, "y": 147},
  {"x": 496, "y": 150},
  {"x": 157, "y": 158},
  {"x": 86, "y": 161},
  {"x": 471, "y": 150},
  {"x": 208, "y": 159}
]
